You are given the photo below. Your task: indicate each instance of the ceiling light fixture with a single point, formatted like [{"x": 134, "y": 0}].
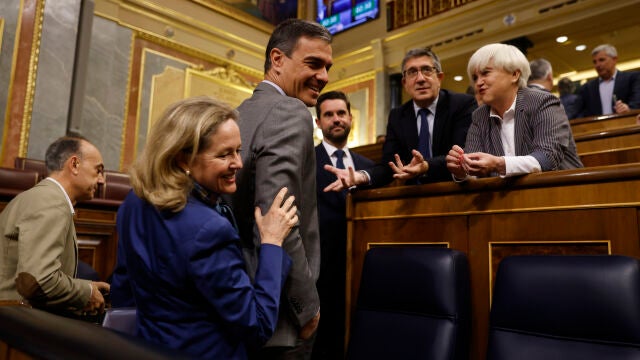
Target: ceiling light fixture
[
  {"x": 457, "y": 78},
  {"x": 581, "y": 47},
  {"x": 562, "y": 39}
]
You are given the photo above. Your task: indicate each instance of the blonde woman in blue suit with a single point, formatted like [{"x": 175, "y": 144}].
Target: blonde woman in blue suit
[{"x": 179, "y": 254}]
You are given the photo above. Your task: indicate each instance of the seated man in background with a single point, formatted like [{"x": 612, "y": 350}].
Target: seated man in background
[
  {"x": 613, "y": 91},
  {"x": 420, "y": 132},
  {"x": 571, "y": 102},
  {"x": 518, "y": 130},
  {"x": 38, "y": 247}
]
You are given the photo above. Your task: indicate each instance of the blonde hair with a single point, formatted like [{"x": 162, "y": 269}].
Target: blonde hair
[
  {"x": 505, "y": 57},
  {"x": 185, "y": 128}
]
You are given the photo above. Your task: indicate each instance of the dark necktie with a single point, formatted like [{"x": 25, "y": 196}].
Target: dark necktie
[
  {"x": 339, "y": 154},
  {"x": 424, "y": 140}
]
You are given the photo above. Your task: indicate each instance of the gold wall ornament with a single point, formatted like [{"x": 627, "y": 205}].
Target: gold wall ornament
[
  {"x": 1, "y": 32},
  {"x": 220, "y": 83},
  {"x": 146, "y": 96},
  {"x": 31, "y": 79},
  {"x": 227, "y": 74}
]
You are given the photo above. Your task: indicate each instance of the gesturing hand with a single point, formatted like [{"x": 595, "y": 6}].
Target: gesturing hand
[
  {"x": 346, "y": 178},
  {"x": 276, "y": 224},
  {"x": 418, "y": 166}
]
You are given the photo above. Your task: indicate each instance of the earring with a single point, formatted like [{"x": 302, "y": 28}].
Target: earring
[{"x": 187, "y": 172}]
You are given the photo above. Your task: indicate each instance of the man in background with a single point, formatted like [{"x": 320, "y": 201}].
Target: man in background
[
  {"x": 277, "y": 139},
  {"x": 613, "y": 91},
  {"x": 38, "y": 245},
  {"x": 571, "y": 102},
  {"x": 333, "y": 112},
  {"x": 541, "y": 77}
]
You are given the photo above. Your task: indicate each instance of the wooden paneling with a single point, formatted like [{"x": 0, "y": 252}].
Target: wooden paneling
[
  {"x": 608, "y": 139},
  {"x": 371, "y": 151},
  {"x": 609, "y": 157},
  {"x": 581, "y": 211},
  {"x": 600, "y": 123}
]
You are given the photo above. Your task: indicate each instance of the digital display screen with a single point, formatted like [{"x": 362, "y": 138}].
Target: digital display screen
[{"x": 340, "y": 15}]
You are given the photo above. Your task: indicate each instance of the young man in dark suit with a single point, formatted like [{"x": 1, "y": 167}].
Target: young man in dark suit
[
  {"x": 333, "y": 112},
  {"x": 413, "y": 152}
]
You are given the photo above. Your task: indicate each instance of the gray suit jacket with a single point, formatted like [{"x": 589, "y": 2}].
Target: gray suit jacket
[
  {"x": 38, "y": 239},
  {"x": 278, "y": 150},
  {"x": 541, "y": 130}
]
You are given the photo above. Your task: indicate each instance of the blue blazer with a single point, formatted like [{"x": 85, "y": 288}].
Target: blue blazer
[
  {"x": 186, "y": 275},
  {"x": 453, "y": 117},
  {"x": 626, "y": 88},
  {"x": 572, "y": 104}
]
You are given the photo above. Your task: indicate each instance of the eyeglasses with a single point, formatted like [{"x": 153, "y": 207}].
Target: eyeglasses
[{"x": 426, "y": 71}]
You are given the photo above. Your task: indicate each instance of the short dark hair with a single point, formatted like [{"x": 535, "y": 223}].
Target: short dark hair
[
  {"x": 286, "y": 35},
  {"x": 332, "y": 95},
  {"x": 420, "y": 52},
  {"x": 566, "y": 86},
  {"x": 61, "y": 150}
]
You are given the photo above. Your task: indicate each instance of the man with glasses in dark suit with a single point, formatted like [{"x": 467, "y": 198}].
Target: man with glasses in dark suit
[{"x": 421, "y": 132}]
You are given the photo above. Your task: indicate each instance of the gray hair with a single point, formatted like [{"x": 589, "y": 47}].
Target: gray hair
[
  {"x": 607, "y": 48},
  {"x": 540, "y": 69},
  {"x": 420, "y": 52},
  {"x": 505, "y": 57}
]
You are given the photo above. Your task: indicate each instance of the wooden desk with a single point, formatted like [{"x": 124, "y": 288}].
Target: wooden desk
[
  {"x": 605, "y": 122},
  {"x": 608, "y": 139},
  {"x": 581, "y": 211},
  {"x": 611, "y": 157}
]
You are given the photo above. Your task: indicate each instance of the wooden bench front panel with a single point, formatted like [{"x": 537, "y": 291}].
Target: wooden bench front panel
[{"x": 582, "y": 211}]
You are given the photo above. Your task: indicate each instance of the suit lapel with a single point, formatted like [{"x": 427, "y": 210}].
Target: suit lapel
[
  {"x": 595, "y": 94},
  {"x": 325, "y": 177},
  {"x": 519, "y": 124},
  {"x": 410, "y": 125},
  {"x": 439, "y": 121}
]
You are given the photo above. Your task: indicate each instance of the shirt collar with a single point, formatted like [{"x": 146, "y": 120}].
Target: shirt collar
[
  {"x": 613, "y": 78},
  {"x": 204, "y": 195},
  {"x": 431, "y": 107},
  {"x": 538, "y": 86},
  {"x": 331, "y": 149},
  {"x": 64, "y": 192},
  {"x": 510, "y": 110},
  {"x": 275, "y": 86}
]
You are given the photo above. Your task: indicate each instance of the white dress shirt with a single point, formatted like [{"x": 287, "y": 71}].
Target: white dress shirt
[
  {"x": 514, "y": 165},
  {"x": 346, "y": 159}
]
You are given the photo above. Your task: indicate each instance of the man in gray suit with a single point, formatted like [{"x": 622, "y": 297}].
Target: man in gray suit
[
  {"x": 277, "y": 136},
  {"x": 38, "y": 248}
]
